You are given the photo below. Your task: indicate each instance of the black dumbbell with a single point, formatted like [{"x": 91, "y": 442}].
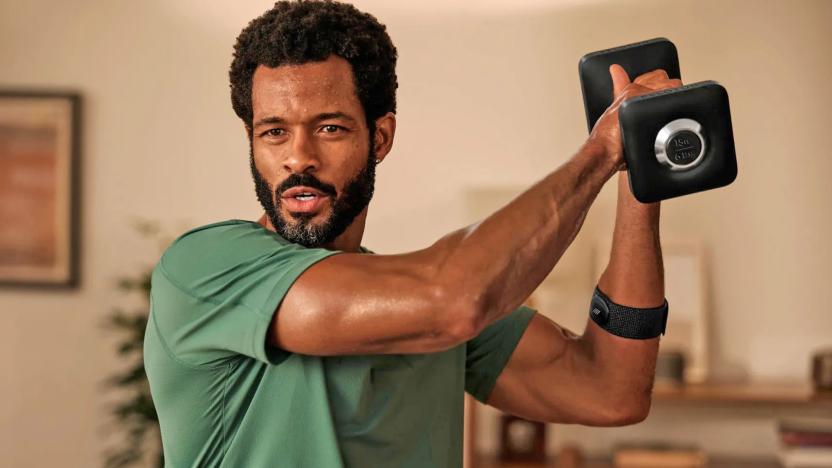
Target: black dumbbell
[{"x": 676, "y": 141}]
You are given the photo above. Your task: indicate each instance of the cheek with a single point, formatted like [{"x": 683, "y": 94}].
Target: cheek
[
  {"x": 266, "y": 170},
  {"x": 266, "y": 161},
  {"x": 353, "y": 165},
  {"x": 341, "y": 161}
]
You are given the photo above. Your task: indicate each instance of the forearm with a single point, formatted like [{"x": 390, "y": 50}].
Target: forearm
[
  {"x": 497, "y": 263},
  {"x": 635, "y": 274},
  {"x": 634, "y": 277}
]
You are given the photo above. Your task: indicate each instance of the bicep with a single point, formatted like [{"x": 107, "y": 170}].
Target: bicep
[
  {"x": 365, "y": 304},
  {"x": 548, "y": 378}
]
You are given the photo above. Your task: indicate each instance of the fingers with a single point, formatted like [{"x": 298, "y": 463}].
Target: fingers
[
  {"x": 620, "y": 79},
  {"x": 649, "y": 82},
  {"x": 656, "y": 80},
  {"x": 660, "y": 85},
  {"x": 654, "y": 75}
]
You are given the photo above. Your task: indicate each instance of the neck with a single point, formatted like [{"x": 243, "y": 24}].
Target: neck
[{"x": 348, "y": 241}]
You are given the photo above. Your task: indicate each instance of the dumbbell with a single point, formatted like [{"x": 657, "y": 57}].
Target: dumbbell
[{"x": 676, "y": 141}]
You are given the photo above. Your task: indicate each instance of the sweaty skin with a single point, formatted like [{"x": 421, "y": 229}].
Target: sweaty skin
[{"x": 307, "y": 118}]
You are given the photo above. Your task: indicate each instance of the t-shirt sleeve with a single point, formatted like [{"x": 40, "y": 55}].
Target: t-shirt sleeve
[
  {"x": 488, "y": 353},
  {"x": 215, "y": 290}
]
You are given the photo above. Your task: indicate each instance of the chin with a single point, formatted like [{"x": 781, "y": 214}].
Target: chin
[
  {"x": 316, "y": 221},
  {"x": 291, "y": 217}
]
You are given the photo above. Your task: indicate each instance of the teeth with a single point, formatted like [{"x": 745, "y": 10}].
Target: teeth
[{"x": 305, "y": 196}]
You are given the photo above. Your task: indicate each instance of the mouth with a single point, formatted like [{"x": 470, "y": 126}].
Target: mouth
[{"x": 303, "y": 199}]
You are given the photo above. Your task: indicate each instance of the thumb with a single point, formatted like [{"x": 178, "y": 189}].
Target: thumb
[{"x": 620, "y": 79}]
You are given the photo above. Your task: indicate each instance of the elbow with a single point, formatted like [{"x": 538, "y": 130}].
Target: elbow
[
  {"x": 459, "y": 319},
  {"x": 606, "y": 415},
  {"x": 454, "y": 297},
  {"x": 462, "y": 323},
  {"x": 629, "y": 413},
  {"x": 616, "y": 412}
]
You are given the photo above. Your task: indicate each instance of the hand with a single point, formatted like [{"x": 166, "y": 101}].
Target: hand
[{"x": 606, "y": 131}]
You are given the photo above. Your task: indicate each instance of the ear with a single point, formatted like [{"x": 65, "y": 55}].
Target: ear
[
  {"x": 385, "y": 132},
  {"x": 248, "y": 131}
]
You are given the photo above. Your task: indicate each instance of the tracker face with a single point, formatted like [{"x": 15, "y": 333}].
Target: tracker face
[{"x": 637, "y": 59}]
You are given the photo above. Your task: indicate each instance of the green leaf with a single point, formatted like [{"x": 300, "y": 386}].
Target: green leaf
[{"x": 135, "y": 414}]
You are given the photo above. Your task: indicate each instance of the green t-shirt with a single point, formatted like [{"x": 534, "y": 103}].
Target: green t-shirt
[{"x": 225, "y": 398}]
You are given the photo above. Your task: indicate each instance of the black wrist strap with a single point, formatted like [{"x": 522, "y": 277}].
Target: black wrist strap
[{"x": 628, "y": 322}]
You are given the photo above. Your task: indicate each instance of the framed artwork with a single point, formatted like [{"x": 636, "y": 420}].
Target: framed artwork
[
  {"x": 39, "y": 151},
  {"x": 686, "y": 291}
]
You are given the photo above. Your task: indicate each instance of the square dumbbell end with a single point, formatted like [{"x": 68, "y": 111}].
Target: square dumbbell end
[{"x": 678, "y": 141}]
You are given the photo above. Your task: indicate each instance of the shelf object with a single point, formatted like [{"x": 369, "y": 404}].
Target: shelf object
[
  {"x": 485, "y": 462},
  {"x": 748, "y": 392}
]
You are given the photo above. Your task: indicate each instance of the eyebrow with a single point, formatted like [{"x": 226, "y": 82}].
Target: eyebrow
[{"x": 324, "y": 116}]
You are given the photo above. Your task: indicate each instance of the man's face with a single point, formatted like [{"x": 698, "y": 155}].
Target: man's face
[{"x": 311, "y": 157}]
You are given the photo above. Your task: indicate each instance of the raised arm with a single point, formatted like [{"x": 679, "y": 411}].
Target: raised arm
[
  {"x": 597, "y": 379},
  {"x": 433, "y": 299},
  {"x": 436, "y": 298}
]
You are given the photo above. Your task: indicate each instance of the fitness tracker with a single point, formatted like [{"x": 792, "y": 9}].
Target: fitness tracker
[{"x": 627, "y": 322}]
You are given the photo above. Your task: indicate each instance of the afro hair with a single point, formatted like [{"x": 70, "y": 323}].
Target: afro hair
[{"x": 297, "y": 32}]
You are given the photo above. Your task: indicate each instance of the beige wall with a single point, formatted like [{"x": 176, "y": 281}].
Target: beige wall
[{"x": 489, "y": 96}]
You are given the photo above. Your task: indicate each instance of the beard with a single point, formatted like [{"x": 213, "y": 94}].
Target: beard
[{"x": 299, "y": 228}]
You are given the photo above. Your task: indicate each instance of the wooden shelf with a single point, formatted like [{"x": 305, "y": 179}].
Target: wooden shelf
[
  {"x": 756, "y": 393},
  {"x": 749, "y": 392},
  {"x": 484, "y": 462}
]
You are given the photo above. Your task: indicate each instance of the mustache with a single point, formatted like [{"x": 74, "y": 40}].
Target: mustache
[{"x": 306, "y": 180}]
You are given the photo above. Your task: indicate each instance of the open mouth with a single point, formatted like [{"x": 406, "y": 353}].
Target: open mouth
[
  {"x": 303, "y": 199},
  {"x": 305, "y": 202}
]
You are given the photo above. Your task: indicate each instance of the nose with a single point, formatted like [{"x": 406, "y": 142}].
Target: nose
[{"x": 303, "y": 154}]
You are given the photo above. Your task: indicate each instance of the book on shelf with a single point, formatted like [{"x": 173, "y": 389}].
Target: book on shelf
[
  {"x": 658, "y": 455},
  {"x": 805, "y": 424},
  {"x": 805, "y": 442},
  {"x": 806, "y": 439},
  {"x": 805, "y": 457},
  {"x": 805, "y": 432}
]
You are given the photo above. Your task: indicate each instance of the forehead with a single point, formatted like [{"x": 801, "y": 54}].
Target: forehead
[{"x": 298, "y": 91}]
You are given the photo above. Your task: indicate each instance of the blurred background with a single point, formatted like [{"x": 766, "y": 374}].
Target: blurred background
[{"x": 489, "y": 102}]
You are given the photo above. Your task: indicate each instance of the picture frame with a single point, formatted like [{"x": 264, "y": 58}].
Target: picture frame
[{"x": 39, "y": 212}]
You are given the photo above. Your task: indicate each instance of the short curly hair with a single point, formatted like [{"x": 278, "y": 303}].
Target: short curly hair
[{"x": 296, "y": 32}]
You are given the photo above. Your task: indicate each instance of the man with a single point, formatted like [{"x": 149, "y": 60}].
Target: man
[{"x": 285, "y": 343}]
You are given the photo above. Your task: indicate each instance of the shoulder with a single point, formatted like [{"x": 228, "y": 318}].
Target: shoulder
[
  {"x": 226, "y": 249},
  {"x": 216, "y": 240},
  {"x": 224, "y": 234}
]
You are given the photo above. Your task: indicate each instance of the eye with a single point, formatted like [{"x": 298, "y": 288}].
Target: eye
[
  {"x": 273, "y": 132},
  {"x": 332, "y": 128}
]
